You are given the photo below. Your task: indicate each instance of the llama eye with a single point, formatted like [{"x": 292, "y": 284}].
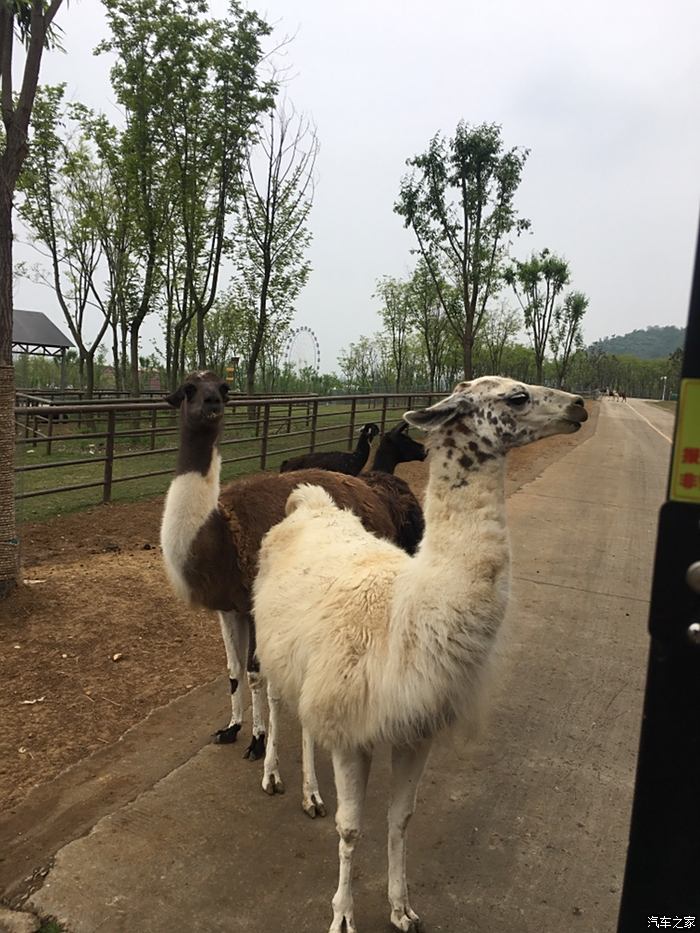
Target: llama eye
[{"x": 519, "y": 399}]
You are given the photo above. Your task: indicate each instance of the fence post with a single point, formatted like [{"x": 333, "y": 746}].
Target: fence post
[
  {"x": 383, "y": 424},
  {"x": 109, "y": 458},
  {"x": 353, "y": 416},
  {"x": 49, "y": 435},
  {"x": 314, "y": 420},
  {"x": 289, "y": 418},
  {"x": 154, "y": 416},
  {"x": 266, "y": 431}
]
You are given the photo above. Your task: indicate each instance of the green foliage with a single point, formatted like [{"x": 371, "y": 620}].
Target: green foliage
[
  {"x": 566, "y": 337},
  {"x": 191, "y": 89},
  {"x": 536, "y": 283},
  {"x": 648, "y": 344},
  {"x": 61, "y": 189},
  {"x": 459, "y": 201}
]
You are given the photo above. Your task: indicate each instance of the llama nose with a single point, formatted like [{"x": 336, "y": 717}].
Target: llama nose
[{"x": 579, "y": 401}]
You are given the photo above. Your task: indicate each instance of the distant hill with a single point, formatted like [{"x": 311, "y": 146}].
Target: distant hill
[{"x": 650, "y": 344}]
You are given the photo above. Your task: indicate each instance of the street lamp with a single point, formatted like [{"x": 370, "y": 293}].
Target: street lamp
[{"x": 664, "y": 379}]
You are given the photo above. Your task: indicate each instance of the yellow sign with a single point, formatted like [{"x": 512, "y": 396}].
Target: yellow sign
[{"x": 685, "y": 472}]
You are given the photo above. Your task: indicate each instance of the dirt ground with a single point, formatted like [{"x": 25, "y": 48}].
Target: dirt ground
[{"x": 93, "y": 640}]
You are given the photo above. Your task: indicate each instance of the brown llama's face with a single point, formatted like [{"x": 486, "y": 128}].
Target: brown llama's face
[
  {"x": 486, "y": 417},
  {"x": 201, "y": 400}
]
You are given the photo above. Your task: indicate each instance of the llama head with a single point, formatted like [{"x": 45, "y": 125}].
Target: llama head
[
  {"x": 370, "y": 431},
  {"x": 201, "y": 400},
  {"x": 403, "y": 445},
  {"x": 486, "y": 417}
]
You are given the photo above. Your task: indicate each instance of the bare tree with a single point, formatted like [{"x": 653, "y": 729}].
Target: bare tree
[
  {"x": 30, "y": 21},
  {"x": 272, "y": 235}
]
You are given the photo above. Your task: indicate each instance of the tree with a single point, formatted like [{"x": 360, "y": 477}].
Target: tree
[
  {"x": 459, "y": 202},
  {"x": 361, "y": 363},
  {"x": 191, "y": 92},
  {"x": 566, "y": 336},
  {"x": 498, "y": 329},
  {"x": 59, "y": 184},
  {"x": 428, "y": 319},
  {"x": 30, "y": 21},
  {"x": 537, "y": 282},
  {"x": 271, "y": 237},
  {"x": 396, "y": 317}
]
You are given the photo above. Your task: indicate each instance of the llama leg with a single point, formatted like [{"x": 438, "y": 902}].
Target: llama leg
[
  {"x": 351, "y": 769},
  {"x": 256, "y": 682},
  {"x": 272, "y": 782},
  {"x": 311, "y": 801},
  {"x": 234, "y": 629},
  {"x": 406, "y": 769}
]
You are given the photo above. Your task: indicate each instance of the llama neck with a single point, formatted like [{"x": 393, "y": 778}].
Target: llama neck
[
  {"x": 385, "y": 459},
  {"x": 361, "y": 452},
  {"x": 197, "y": 450},
  {"x": 192, "y": 497},
  {"x": 462, "y": 506},
  {"x": 450, "y": 600},
  {"x": 457, "y": 581}
]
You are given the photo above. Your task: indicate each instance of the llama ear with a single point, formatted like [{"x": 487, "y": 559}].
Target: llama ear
[
  {"x": 185, "y": 391},
  {"x": 224, "y": 388},
  {"x": 428, "y": 419},
  {"x": 176, "y": 398}
]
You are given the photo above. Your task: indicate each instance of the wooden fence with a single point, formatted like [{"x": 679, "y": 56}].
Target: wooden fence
[{"x": 65, "y": 448}]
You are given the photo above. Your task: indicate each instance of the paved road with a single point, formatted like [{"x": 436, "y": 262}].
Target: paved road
[{"x": 524, "y": 831}]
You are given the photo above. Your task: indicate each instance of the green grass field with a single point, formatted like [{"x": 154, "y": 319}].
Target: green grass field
[
  {"x": 668, "y": 406},
  {"x": 133, "y": 455}
]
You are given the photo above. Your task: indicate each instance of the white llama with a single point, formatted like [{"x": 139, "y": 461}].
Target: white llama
[{"x": 371, "y": 645}]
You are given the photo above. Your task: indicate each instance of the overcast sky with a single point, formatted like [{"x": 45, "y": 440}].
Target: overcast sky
[{"x": 604, "y": 94}]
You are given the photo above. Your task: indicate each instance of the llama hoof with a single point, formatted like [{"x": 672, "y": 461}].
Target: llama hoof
[
  {"x": 313, "y": 806},
  {"x": 407, "y": 922},
  {"x": 256, "y": 749},
  {"x": 272, "y": 783},
  {"x": 228, "y": 735}
]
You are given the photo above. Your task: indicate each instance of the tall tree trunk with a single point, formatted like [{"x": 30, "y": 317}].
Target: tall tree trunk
[
  {"x": 135, "y": 388},
  {"x": 467, "y": 351},
  {"x": 9, "y": 549},
  {"x": 201, "y": 349},
  {"x": 115, "y": 357}
]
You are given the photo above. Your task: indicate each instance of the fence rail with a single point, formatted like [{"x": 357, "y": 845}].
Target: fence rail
[{"x": 67, "y": 450}]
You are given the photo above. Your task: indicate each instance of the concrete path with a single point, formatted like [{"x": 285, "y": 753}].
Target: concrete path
[{"x": 525, "y": 831}]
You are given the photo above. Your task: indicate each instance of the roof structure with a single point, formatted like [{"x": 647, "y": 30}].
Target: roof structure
[{"x": 33, "y": 332}]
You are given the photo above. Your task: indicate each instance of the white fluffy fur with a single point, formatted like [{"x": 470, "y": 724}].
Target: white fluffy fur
[
  {"x": 190, "y": 500},
  {"x": 391, "y": 674}
]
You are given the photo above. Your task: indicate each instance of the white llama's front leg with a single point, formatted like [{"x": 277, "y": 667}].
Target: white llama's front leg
[
  {"x": 234, "y": 629},
  {"x": 311, "y": 800},
  {"x": 272, "y": 782},
  {"x": 351, "y": 769},
  {"x": 407, "y": 766},
  {"x": 256, "y": 749}
]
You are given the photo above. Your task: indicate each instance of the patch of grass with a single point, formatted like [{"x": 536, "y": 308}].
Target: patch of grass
[
  {"x": 667, "y": 406},
  {"x": 51, "y": 926}
]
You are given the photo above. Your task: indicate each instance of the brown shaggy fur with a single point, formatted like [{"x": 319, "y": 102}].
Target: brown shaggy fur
[{"x": 224, "y": 557}]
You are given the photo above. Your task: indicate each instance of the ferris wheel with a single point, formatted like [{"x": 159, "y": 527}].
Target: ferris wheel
[{"x": 303, "y": 351}]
